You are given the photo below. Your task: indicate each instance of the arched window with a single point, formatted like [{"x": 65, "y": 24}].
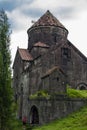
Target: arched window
[
  {"x": 66, "y": 55},
  {"x": 82, "y": 86}
]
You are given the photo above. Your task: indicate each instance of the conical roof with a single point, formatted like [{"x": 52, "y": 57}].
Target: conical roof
[{"x": 48, "y": 20}]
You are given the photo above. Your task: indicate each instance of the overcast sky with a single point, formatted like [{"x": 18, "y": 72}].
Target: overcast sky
[{"x": 71, "y": 13}]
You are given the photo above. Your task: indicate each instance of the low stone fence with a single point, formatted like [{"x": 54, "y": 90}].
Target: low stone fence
[{"x": 55, "y": 108}]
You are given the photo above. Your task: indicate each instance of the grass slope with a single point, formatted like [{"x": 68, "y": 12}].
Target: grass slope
[{"x": 75, "y": 121}]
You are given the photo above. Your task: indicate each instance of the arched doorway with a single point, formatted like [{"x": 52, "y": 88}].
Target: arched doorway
[{"x": 34, "y": 116}]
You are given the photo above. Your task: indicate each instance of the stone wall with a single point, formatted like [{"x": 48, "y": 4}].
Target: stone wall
[
  {"x": 76, "y": 68},
  {"x": 54, "y": 81},
  {"x": 27, "y": 77},
  {"x": 46, "y": 34},
  {"x": 56, "y": 108},
  {"x": 16, "y": 74}
]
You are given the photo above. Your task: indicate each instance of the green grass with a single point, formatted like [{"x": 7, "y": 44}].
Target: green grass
[
  {"x": 76, "y": 93},
  {"x": 75, "y": 121},
  {"x": 16, "y": 124}
]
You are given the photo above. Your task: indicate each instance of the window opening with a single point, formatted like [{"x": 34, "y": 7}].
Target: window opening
[{"x": 66, "y": 55}]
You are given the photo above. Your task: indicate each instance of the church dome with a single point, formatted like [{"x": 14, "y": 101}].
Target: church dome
[
  {"x": 48, "y": 29},
  {"x": 48, "y": 19}
]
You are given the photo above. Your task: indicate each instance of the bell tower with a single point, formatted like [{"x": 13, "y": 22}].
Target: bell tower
[{"x": 47, "y": 30}]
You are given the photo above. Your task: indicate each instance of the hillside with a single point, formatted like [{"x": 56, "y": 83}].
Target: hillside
[{"x": 75, "y": 121}]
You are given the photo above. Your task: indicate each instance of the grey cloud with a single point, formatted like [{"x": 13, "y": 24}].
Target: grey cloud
[
  {"x": 34, "y": 13},
  {"x": 66, "y": 12},
  {"x": 69, "y": 10}
]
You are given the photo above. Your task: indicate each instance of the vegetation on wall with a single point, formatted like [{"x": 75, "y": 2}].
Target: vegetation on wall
[
  {"x": 74, "y": 93},
  {"x": 39, "y": 94}
]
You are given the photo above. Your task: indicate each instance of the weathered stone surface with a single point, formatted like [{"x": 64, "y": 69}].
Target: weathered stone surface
[
  {"x": 49, "y": 63},
  {"x": 49, "y": 110}
]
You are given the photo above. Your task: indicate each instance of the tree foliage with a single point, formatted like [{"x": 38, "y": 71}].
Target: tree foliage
[{"x": 5, "y": 72}]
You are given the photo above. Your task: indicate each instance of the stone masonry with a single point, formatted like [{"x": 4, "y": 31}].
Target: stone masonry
[{"x": 49, "y": 63}]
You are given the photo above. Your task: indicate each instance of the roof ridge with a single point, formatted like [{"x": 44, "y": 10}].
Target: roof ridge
[
  {"x": 77, "y": 50},
  {"x": 41, "y": 44},
  {"x": 51, "y": 70},
  {"x": 22, "y": 49}
]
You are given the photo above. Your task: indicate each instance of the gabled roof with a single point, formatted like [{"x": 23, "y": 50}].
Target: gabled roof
[
  {"x": 50, "y": 71},
  {"x": 40, "y": 44},
  {"x": 77, "y": 50},
  {"x": 48, "y": 19},
  {"x": 25, "y": 55}
]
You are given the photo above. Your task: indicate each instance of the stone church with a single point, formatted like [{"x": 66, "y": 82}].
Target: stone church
[{"x": 42, "y": 71}]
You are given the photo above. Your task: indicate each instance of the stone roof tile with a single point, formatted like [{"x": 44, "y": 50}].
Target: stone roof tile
[
  {"x": 25, "y": 55},
  {"x": 48, "y": 19}
]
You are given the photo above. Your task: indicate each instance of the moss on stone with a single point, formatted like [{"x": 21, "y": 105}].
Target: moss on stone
[{"x": 76, "y": 93}]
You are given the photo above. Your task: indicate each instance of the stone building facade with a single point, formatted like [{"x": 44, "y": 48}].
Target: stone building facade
[{"x": 49, "y": 63}]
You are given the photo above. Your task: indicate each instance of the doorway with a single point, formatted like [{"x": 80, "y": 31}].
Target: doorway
[{"x": 34, "y": 116}]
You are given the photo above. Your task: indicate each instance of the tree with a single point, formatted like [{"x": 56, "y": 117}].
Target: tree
[{"x": 5, "y": 72}]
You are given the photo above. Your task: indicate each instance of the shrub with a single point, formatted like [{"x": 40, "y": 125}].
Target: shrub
[{"x": 39, "y": 94}]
